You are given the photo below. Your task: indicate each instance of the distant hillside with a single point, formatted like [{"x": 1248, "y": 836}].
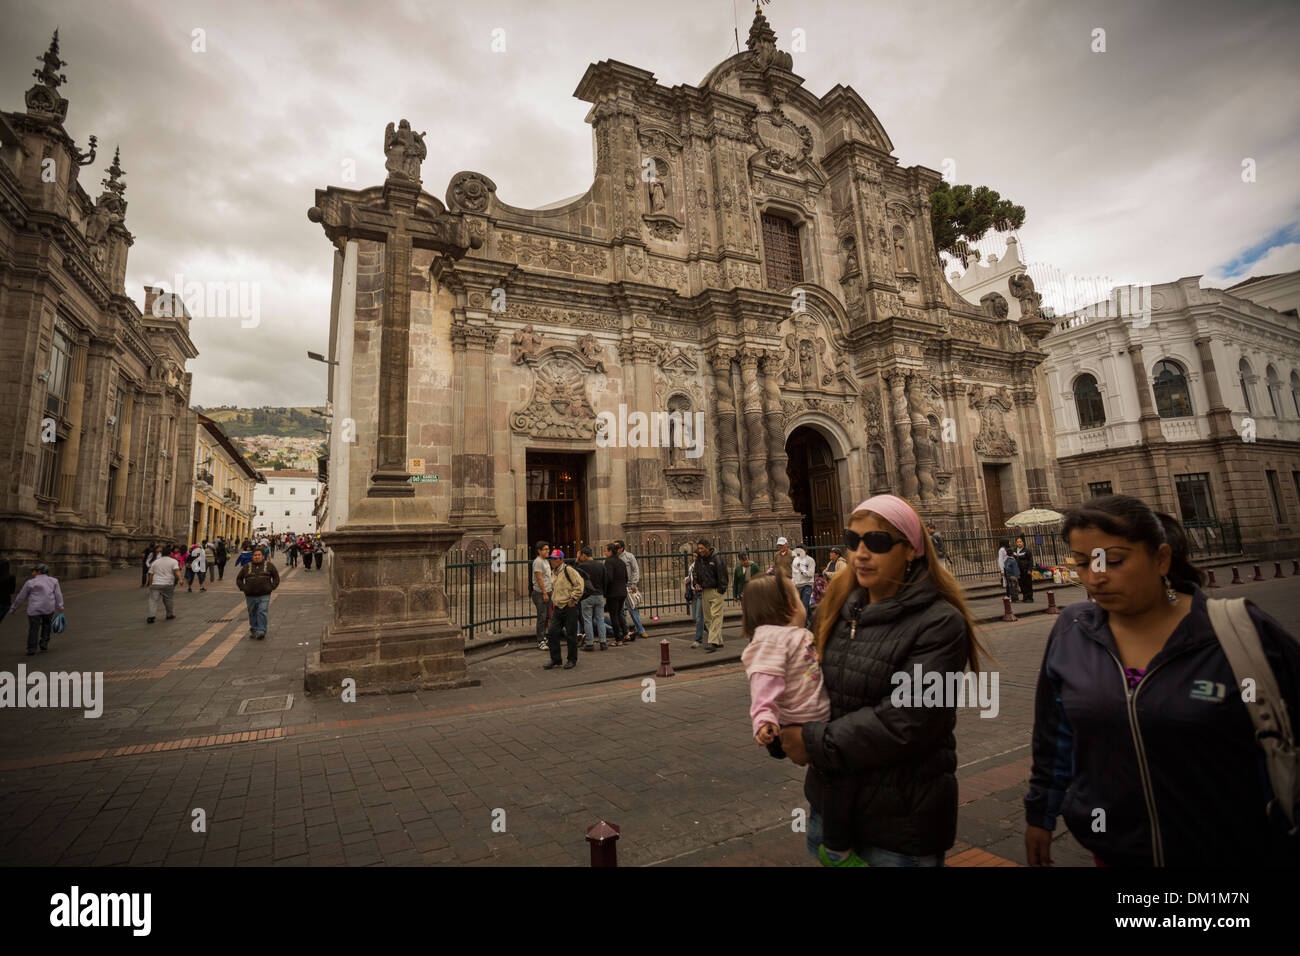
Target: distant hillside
[{"x": 284, "y": 422}]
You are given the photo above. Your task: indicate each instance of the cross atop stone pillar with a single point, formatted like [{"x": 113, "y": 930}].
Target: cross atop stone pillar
[{"x": 390, "y": 629}]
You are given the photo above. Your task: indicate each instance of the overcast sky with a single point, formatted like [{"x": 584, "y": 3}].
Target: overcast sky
[{"x": 1128, "y": 161}]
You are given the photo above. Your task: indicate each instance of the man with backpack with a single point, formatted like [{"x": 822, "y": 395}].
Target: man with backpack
[
  {"x": 257, "y": 580},
  {"x": 566, "y": 594}
]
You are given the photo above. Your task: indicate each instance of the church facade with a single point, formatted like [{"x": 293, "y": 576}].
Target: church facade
[{"x": 752, "y": 273}]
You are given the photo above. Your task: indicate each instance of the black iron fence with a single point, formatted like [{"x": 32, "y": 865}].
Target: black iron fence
[{"x": 490, "y": 594}]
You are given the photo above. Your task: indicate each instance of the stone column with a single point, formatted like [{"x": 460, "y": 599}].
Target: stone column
[
  {"x": 343, "y": 429},
  {"x": 755, "y": 445},
  {"x": 902, "y": 433},
  {"x": 67, "y": 510},
  {"x": 645, "y": 466},
  {"x": 118, "y": 505},
  {"x": 1149, "y": 419},
  {"x": 472, "y": 472},
  {"x": 774, "y": 415},
  {"x": 1032, "y": 447},
  {"x": 920, "y": 438},
  {"x": 1218, "y": 413},
  {"x": 725, "y": 430}
]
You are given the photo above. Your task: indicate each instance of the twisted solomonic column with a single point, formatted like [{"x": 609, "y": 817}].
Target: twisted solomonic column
[
  {"x": 897, "y": 379},
  {"x": 725, "y": 429},
  {"x": 921, "y": 437},
  {"x": 774, "y": 416},
  {"x": 755, "y": 450}
]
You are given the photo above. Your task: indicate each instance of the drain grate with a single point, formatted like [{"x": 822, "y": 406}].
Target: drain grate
[
  {"x": 219, "y": 620},
  {"x": 266, "y": 705},
  {"x": 259, "y": 679}
]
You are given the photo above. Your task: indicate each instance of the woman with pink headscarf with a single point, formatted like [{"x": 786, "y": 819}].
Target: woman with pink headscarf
[{"x": 896, "y": 609}]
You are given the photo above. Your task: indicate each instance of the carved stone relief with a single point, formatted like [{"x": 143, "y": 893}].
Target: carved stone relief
[
  {"x": 559, "y": 406},
  {"x": 993, "y": 439}
]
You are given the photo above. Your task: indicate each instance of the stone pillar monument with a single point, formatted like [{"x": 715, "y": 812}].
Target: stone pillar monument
[{"x": 390, "y": 629}]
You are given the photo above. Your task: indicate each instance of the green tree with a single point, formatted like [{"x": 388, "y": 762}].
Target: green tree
[{"x": 961, "y": 215}]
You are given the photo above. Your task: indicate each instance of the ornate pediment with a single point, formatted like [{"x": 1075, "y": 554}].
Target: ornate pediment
[{"x": 559, "y": 406}]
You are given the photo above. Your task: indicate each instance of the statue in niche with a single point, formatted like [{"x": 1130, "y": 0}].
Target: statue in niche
[
  {"x": 404, "y": 150},
  {"x": 806, "y": 363},
  {"x": 657, "y": 196},
  {"x": 900, "y": 250},
  {"x": 850, "y": 248}
]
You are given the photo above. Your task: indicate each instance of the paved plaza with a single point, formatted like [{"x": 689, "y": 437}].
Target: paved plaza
[{"x": 513, "y": 770}]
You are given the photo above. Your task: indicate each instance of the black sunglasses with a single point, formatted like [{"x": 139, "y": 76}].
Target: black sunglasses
[{"x": 877, "y": 542}]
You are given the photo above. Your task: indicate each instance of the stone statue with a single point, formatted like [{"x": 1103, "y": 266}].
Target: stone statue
[
  {"x": 405, "y": 150},
  {"x": 850, "y": 255},
  {"x": 900, "y": 251},
  {"x": 806, "y": 363},
  {"x": 657, "y": 202},
  {"x": 1022, "y": 287},
  {"x": 524, "y": 343},
  {"x": 995, "y": 305}
]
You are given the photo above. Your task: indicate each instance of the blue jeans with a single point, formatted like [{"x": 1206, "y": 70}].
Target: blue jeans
[
  {"x": 697, "y": 611},
  {"x": 258, "y": 606},
  {"x": 593, "y": 618},
  {"x": 638, "y": 629},
  {"x": 874, "y": 856},
  {"x": 805, "y": 595}
]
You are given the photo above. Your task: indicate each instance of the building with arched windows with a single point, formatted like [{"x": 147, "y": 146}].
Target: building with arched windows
[
  {"x": 1188, "y": 398},
  {"x": 750, "y": 256}
]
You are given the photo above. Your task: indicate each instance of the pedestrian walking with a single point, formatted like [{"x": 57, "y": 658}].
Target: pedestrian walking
[
  {"x": 197, "y": 568},
  {"x": 746, "y": 571},
  {"x": 539, "y": 590},
  {"x": 711, "y": 579},
  {"x": 220, "y": 554},
  {"x": 936, "y": 539},
  {"x": 8, "y": 582},
  {"x": 592, "y": 606},
  {"x": 786, "y": 688},
  {"x": 1025, "y": 569},
  {"x": 616, "y": 593},
  {"x": 637, "y": 629},
  {"x": 1167, "y": 709},
  {"x": 245, "y": 555},
  {"x": 895, "y": 610},
  {"x": 44, "y": 599},
  {"x": 291, "y": 549},
  {"x": 318, "y": 551},
  {"x": 783, "y": 562},
  {"x": 566, "y": 593},
  {"x": 1011, "y": 575},
  {"x": 695, "y": 601},
  {"x": 257, "y": 580},
  {"x": 164, "y": 575},
  {"x": 145, "y": 557},
  {"x": 209, "y": 561},
  {"x": 1008, "y": 580},
  {"x": 802, "y": 571}
]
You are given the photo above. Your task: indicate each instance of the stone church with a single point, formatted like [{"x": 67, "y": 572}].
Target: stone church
[{"x": 748, "y": 250}]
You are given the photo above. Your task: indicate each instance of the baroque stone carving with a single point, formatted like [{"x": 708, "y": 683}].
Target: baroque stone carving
[
  {"x": 564, "y": 317},
  {"x": 404, "y": 151},
  {"x": 1022, "y": 287},
  {"x": 590, "y": 348},
  {"x": 635, "y": 259},
  {"x": 558, "y": 254},
  {"x": 993, "y": 439},
  {"x": 995, "y": 305},
  {"x": 523, "y": 344},
  {"x": 871, "y": 412},
  {"x": 662, "y": 226},
  {"x": 558, "y": 407},
  {"x": 469, "y": 192}
]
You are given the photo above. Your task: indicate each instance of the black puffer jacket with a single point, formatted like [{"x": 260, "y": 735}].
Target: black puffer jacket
[{"x": 904, "y": 759}]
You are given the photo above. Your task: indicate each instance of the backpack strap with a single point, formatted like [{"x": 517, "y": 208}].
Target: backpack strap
[{"x": 1241, "y": 645}]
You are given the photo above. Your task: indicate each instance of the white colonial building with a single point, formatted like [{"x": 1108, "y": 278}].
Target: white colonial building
[
  {"x": 1186, "y": 397},
  {"x": 287, "y": 502}
]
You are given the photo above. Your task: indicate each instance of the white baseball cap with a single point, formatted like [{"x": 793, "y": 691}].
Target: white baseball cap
[{"x": 782, "y": 541}]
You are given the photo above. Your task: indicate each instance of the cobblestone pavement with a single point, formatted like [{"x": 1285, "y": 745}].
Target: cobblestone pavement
[{"x": 198, "y": 717}]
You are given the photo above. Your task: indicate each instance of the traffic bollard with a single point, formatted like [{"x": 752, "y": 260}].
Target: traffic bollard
[
  {"x": 665, "y": 666},
  {"x": 1258, "y": 574},
  {"x": 1295, "y": 566},
  {"x": 1236, "y": 576},
  {"x": 1212, "y": 583},
  {"x": 603, "y": 838},
  {"x": 1277, "y": 570},
  {"x": 1051, "y": 603},
  {"x": 1006, "y": 609}
]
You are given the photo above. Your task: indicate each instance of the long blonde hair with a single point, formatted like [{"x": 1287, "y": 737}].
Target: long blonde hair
[{"x": 842, "y": 585}]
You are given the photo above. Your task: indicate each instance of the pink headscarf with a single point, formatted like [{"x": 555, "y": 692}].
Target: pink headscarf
[{"x": 898, "y": 513}]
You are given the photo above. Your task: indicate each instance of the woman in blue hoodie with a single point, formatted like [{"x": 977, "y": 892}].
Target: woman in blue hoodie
[{"x": 1141, "y": 741}]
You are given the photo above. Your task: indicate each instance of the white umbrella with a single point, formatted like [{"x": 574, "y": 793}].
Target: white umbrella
[{"x": 1034, "y": 516}]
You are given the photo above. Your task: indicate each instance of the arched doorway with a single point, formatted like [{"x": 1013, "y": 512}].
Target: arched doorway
[{"x": 814, "y": 484}]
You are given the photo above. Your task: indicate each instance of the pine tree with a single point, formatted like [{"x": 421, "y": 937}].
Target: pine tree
[{"x": 961, "y": 215}]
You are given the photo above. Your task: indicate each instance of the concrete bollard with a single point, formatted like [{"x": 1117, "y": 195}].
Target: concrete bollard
[
  {"x": 603, "y": 838},
  {"x": 1051, "y": 603},
  {"x": 1277, "y": 570},
  {"x": 1006, "y": 609},
  {"x": 1295, "y": 566},
  {"x": 665, "y": 666},
  {"x": 1212, "y": 583},
  {"x": 1236, "y": 576},
  {"x": 1259, "y": 576}
]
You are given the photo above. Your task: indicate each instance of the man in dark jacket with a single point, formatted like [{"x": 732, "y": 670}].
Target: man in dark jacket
[
  {"x": 615, "y": 591},
  {"x": 221, "y": 555},
  {"x": 711, "y": 579},
  {"x": 257, "y": 580},
  {"x": 592, "y": 606}
]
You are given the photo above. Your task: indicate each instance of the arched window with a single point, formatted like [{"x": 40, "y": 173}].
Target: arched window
[
  {"x": 1170, "y": 384},
  {"x": 781, "y": 250},
  {"x": 1244, "y": 375},
  {"x": 1087, "y": 400},
  {"x": 1295, "y": 392},
  {"x": 1274, "y": 385}
]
